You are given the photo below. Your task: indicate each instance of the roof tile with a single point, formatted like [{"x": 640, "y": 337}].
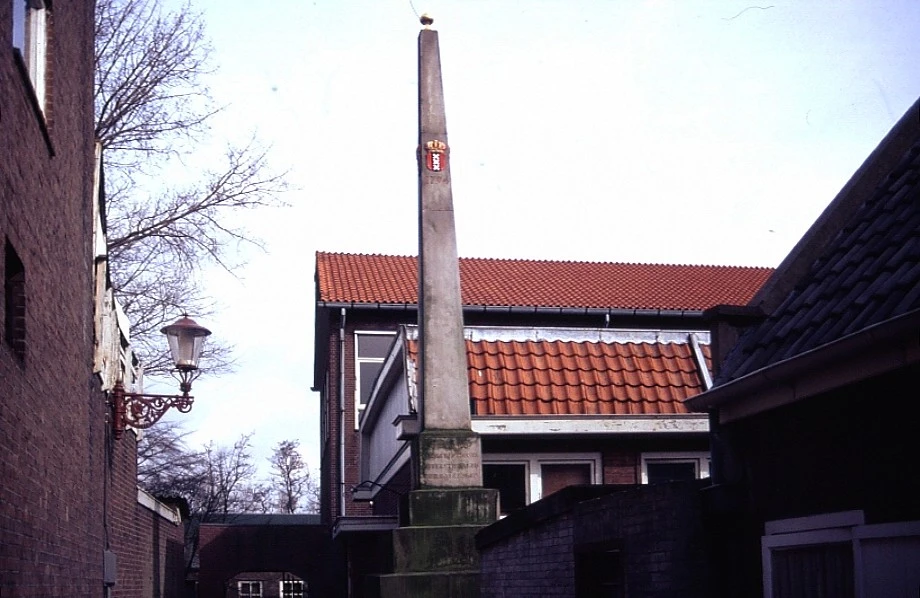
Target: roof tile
[
  {"x": 579, "y": 378},
  {"x": 371, "y": 279},
  {"x": 869, "y": 273}
]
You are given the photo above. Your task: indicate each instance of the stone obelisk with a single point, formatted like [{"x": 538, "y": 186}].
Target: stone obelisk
[
  {"x": 434, "y": 548},
  {"x": 450, "y": 451}
]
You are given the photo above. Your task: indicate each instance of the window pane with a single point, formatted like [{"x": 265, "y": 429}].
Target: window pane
[
  {"x": 292, "y": 589},
  {"x": 250, "y": 589},
  {"x": 556, "y": 476},
  {"x": 803, "y": 572},
  {"x": 14, "y": 297},
  {"x": 367, "y": 372},
  {"x": 510, "y": 479},
  {"x": 374, "y": 345},
  {"x": 670, "y": 471},
  {"x": 19, "y": 24}
]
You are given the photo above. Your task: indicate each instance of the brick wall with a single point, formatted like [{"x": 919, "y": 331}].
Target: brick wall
[
  {"x": 228, "y": 550},
  {"x": 647, "y": 538},
  {"x": 149, "y": 546},
  {"x": 52, "y": 419},
  {"x": 68, "y": 489}
]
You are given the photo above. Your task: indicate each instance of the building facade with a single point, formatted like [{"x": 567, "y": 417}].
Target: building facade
[
  {"x": 72, "y": 521},
  {"x": 815, "y": 474},
  {"x": 576, "y": 371}
]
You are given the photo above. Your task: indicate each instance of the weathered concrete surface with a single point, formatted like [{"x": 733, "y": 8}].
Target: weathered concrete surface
[
  {"x": 434, "y": 549},
  {"x": 444, "y": 401}
]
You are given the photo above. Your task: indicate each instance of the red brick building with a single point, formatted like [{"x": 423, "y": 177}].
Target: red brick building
[
  {"x": 576, "y": 372},
  {"x": 72, "y": 522}
]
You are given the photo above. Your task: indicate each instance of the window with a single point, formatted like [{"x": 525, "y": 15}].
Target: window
[
  {"x": 249, "y": 589},
  {"x": 837, "y": 554},
  {"x": 371, "y": 349},
  {"x": 599, "y": 571},
  {"x": 30, "y": 37},
  {"x": 510, "y": 479},
  {"x": 674, "y": 467},
  {"x": 524, "y": 478},
  {"x": 14, "y": 302},
  {"x": 292, "y": 589}
]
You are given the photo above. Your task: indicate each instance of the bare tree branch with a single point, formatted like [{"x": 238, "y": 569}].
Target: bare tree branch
[
  {"x": 153, "y": 107},
  {"x": 149, "y": 65},
  {"x": 294, "y": 489}
]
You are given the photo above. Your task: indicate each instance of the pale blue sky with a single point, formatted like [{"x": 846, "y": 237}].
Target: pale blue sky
[{"x": 680, "y": 132}]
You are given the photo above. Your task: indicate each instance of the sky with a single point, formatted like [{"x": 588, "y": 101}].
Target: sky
[{"x": 686, "y": 132}]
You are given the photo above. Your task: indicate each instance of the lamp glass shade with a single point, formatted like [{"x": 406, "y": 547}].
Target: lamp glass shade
[{"x": 186, "y": 339}]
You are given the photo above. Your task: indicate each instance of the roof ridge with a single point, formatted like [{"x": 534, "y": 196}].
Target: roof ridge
[{"x": 548, "y": 261}]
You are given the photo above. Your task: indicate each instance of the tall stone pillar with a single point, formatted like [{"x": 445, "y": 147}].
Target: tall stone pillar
[{"x": 434, "y": 548}]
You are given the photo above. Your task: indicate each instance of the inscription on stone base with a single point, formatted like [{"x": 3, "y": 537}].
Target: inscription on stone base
[{"x": 449, "y": 459}]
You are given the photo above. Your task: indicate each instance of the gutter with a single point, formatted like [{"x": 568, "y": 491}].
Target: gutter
[
  {"x": 523, "y": 310},
  {"x": 874, "y": 350}
]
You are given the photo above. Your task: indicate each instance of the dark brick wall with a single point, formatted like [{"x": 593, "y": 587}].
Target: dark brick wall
[
  {"x": 52, "y": 417},
  {"x": 537, "y": 561},
  {"x": 150, "y": 548},
  {"x": 228, "y": 550},
  {"x": 656, "y": 533},
  {"x": 68, "y": 489}
]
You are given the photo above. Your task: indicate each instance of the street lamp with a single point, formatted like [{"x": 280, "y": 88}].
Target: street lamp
[{"x": 141, "y": 411}]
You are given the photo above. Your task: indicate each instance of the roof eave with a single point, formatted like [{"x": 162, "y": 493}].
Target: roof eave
[
  {"x": 521, "y": 309},
  {"x": 894, "y": 343}
]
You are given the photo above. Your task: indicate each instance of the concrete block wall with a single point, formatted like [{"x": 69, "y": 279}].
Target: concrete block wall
[
  {"x": 657, "y": 532},
  {"x": 539, "y": 561}
]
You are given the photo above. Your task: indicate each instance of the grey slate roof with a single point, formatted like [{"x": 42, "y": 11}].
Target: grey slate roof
[{"x": 869, "y": 273}]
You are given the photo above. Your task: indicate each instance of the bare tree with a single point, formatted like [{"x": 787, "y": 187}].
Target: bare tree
[
  {"x": 294, "y": 488},
  {"x": 166, "y": 466},
  {"x": 152, "y": 108},
  {"x": 149, "y": 64},
  {"x": 215, "y": 481},
  {"x": 288, "y": 473}
]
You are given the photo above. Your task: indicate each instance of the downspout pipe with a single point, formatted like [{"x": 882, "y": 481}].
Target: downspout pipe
[{"x": 341, "y": 480}]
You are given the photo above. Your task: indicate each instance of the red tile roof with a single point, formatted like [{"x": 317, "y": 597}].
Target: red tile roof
[
  {"x": 358, "y": 278},
  {"x": 554, "y": 377}
]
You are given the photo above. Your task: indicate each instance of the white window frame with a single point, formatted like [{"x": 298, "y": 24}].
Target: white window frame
[
  {"x": 844, "y": 527},
  {"x": 700, "y": 459},
  {"x": 533, "y": 461},
  {"x": 34, "y": 42},
  {"x": 292, "y": 593},
  {"x": 250, "y": 583},
  {"x": 359, "y": 408}
]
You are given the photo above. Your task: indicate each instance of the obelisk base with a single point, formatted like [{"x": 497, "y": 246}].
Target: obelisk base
[{"x": 434, "y": 549}]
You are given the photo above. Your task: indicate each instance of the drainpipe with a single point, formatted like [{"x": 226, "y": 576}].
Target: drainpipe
[{"x": 342, "y": 413}]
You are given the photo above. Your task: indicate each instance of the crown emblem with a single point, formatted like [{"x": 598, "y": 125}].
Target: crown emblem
[{"x": 436, "y": 155}]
